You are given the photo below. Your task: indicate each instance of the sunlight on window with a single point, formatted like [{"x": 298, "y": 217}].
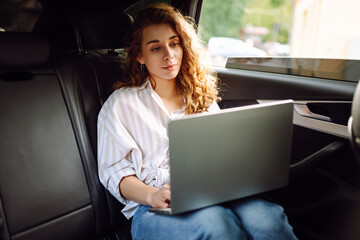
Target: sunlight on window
[{"x": 294, "y": 28}]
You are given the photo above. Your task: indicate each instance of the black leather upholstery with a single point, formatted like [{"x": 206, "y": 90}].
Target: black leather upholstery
[
  {"x": 49, "y": 186},
  {"x": 94, "y": 75},
  {"x": 43, "y": 187},
  {"x": 18, "y": 50},
  {"x": 102, "y": 29},
  {"x": 87, "y": 80}
]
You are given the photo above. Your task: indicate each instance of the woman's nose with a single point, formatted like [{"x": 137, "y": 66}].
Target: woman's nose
[{"x": 168, "y": 53}]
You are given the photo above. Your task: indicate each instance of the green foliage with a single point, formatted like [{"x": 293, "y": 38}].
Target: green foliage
[
  {"x": 269, "y": 14},
  {"x": 225, "y": 18},
  {"x": 221, "y": 18},
  {"x": 277, "y": 3}
]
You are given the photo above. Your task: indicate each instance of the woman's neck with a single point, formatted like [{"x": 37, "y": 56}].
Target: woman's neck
[
  {"x": 169, "y": 94},
  {"x": 166, "y": 89}
]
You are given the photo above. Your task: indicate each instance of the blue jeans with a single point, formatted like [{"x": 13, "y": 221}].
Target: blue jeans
[{"x": 250, "y": 218}]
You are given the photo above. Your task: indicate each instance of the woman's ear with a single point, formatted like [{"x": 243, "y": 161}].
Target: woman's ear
[{"x": 140, "y": 59}]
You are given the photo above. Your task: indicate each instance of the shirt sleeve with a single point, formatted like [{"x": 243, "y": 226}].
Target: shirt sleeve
[{"x": 115, "y": 146}]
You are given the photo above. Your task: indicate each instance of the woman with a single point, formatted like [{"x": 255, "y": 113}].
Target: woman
[{"x": 168, "y": 78}]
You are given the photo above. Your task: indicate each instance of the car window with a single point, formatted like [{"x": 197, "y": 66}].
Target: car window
[
  {"x": 19, "y": 15},
  {"x": 282, "y": 28}
]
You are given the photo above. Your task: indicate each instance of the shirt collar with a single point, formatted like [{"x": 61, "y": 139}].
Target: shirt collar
[{"x": 146, "y": 84}]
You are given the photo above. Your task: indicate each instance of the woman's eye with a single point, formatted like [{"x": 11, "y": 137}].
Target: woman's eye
[
  {"x": 155, "y": 49},
  {"x": 174, "y": 44}
]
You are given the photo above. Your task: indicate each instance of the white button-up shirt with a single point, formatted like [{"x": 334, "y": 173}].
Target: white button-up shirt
[{"x": 133, "y": 140}]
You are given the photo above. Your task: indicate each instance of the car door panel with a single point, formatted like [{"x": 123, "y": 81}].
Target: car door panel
[
  {"x": 281, "y": 86},
  {"x": 324, "y": 181}
]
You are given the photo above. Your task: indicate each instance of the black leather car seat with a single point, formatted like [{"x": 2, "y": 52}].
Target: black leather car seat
[
  {"x": 49, "y": 186},
  {"x": 87, "y": 79},
  {"x": 43, "y": 187}
]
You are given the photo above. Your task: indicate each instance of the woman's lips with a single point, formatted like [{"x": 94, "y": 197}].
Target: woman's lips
[{"x": 170, "y": 67}]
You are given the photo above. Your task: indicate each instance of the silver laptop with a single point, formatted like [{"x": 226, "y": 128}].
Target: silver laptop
[{"x": 231, "y": 154}]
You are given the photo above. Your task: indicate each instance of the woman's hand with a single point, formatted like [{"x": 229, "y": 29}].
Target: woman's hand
[
  {"x": 134, "y": 189},
  {"x": 161, "y": 198}
]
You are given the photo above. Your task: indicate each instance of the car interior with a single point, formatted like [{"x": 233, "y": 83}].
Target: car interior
[{"x": 54, "y": 80}]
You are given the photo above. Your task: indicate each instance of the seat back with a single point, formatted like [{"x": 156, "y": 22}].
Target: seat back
[
  {"x": 43, "y": 187},
  {"x": 87, "y": 80},
  {"x": 49, "y": 101}
]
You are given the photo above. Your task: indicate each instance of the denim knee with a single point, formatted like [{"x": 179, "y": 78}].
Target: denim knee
[
  {"x": 209, "y": 223},
  {"x": 217, "y": 222},
  {"x": 263, "y": 220}
]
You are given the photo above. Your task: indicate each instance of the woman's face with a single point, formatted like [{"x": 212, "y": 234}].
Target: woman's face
[{"x": 161, "y": 52}]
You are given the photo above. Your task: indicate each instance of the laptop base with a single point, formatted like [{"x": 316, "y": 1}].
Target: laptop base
[{"x": 163, "y": 211}]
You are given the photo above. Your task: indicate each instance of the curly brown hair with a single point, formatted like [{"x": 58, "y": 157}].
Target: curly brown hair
[{"x": 196, "y": 79}]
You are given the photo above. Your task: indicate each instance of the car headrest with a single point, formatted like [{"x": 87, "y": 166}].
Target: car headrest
[
  {"x": 102, "y": 29},
  {"x": 22, "y": 50}
]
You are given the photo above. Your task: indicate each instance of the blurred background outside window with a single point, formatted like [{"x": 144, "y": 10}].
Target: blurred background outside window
[{"x": 284, "y": 28}]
